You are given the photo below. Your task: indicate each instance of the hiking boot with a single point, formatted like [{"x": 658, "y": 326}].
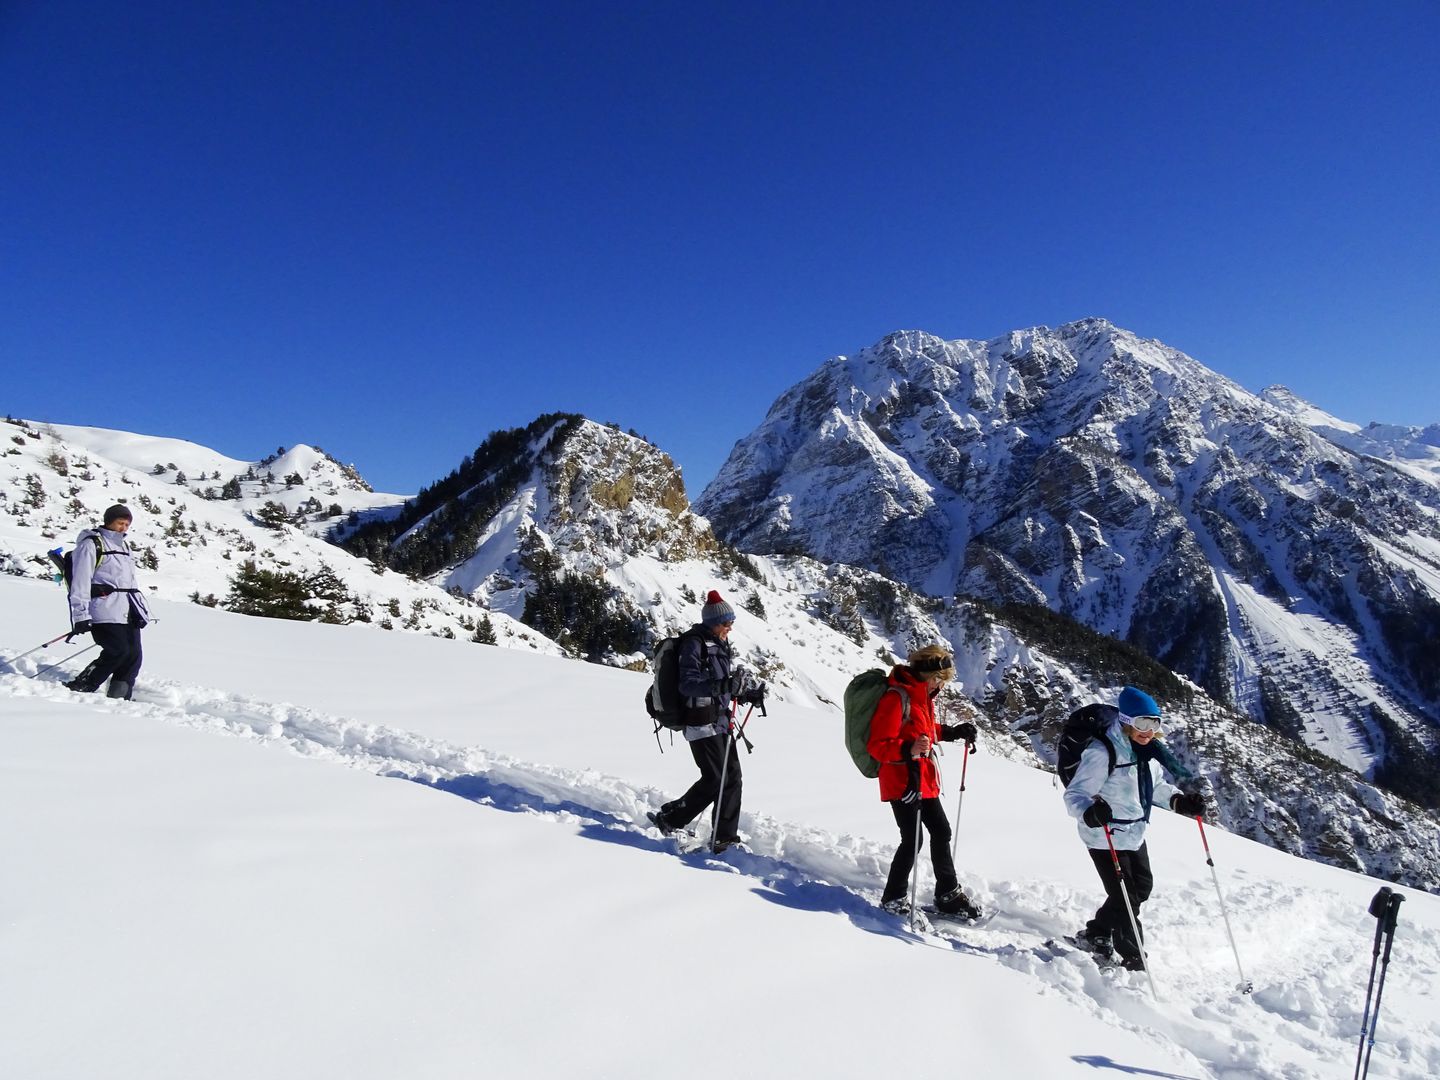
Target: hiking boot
[
  {"x": 900, "y": 906},
  {"x": 1132, "y": 963},
  {"x": 79, "y": 685},
  {"x": 661, "y": 822},
  {"x": 1097, "y": 943},
  {"x": 119, "y": 689},
  {"x": 955, "y": 902},
  {"x": 726, "y": 842}
]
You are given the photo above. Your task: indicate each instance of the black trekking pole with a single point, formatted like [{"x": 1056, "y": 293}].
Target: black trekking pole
[
  {"x": 15, "y": 659},
  {"x": 72, "y": 656},
  {"x": 1386, "y": 909}
]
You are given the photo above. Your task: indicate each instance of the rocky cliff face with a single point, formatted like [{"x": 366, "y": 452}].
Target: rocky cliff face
[{"x": 1124, "y": 484}]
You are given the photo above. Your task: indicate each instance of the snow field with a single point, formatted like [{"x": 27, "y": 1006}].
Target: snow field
[{"x": 553, "y": 752}]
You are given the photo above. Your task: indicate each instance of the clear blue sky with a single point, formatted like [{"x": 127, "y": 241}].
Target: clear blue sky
[{"x": 391, "y": 228}]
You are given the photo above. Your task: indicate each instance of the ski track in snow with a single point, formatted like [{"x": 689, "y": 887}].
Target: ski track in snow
[{"x": 1305, "y": 976}]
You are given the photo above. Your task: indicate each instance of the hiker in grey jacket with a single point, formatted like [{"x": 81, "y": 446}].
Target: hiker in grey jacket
[
  {"x": 105, "y": 601},
  {"x": 1120, "y": 799}
]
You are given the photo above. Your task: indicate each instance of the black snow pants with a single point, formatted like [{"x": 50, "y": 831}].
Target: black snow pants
[
  {"x": 119, "y": 658},
  {"x": 709, "y": 754},
  {"x": 931, "y": 814},
  {"x": 1111, "y": 920}
]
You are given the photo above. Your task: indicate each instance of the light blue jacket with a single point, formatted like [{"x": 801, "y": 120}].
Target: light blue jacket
[
  {"x": 1121, "y": 789},
  {"x": 107, "y": 568}
]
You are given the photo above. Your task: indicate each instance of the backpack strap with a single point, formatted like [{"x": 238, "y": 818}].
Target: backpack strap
[
  {"x": 904, "y": 703},
  {"x": 904, "y": 708}
]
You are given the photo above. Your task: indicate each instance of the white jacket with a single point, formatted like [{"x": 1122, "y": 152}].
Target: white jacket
[
  {"x": 109, "y": 569},
  {"x": 1121, "y": 789}
]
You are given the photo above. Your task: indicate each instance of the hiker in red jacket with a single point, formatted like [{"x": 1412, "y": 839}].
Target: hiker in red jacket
[{"x": 901, "y": 740}]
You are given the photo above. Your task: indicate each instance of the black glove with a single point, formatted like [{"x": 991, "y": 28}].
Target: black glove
[
  {"x": 1098, "y": 814},
  {"x": 957, "y": 732},
  {"x": 739, "y": 682},
  {"x": 1189, "y": 805},
  {"x": 80, "y": 629},
  {"x": 912, "y": 788},
  {"x": 752, "y": 695}
]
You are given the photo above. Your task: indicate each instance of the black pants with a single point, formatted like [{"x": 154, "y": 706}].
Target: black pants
[
  {"x": 931, "y": 814},
  {"x": 710, "y": 754},
  {"x": 119, "y": 657},
  {"x": 1111, "y": 919}
]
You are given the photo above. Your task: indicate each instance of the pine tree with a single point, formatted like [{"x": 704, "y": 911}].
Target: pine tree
[{"x": 271, "y": 594}]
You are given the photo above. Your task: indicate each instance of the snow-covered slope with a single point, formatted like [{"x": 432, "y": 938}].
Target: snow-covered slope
[
  {"x": 584, "y": 532},
  {"x": 271, "y": 868},
  {"x": 1122, "y": 483},
  {"x": 191, "y": 537}
]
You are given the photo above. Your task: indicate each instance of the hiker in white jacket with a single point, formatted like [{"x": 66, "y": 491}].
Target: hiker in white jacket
[
  {"x": 1120, "y": 797},
  {"x": 105, "y": 600}
]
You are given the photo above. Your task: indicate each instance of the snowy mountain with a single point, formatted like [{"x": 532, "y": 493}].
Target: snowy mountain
[
  {"x": 1123, "y": 484},
  {"x": 273, "y": 868},
  {"x": 1415, "y": 450},
  {"x": 573, "y": 538},
  {"x": 584, "y": 532}
]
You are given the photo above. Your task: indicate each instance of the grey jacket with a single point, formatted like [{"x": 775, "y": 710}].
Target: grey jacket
[{"x": 103, "y": 588}]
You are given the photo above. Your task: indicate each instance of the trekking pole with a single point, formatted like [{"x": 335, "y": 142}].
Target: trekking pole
[
  {"x": 740, "y": 731},
  {"x": 72, "y": 656},
  {"x": 915, "y": 869},
  {"x": 955, "y": 838},
  {"x": 1370, "y": 986},
  {"x": 724, "y": 767},
  {"x": 1245, "y": 986},
  {"x": 14, "y": 659},
  {"x": 1129, "y": 910},
  {"x": 1386, "y": 909}
]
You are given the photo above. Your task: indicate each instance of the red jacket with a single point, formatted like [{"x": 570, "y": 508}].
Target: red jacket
[{"x": 887, "y": 734}]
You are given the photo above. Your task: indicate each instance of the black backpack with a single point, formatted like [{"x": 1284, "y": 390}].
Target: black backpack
[
  {"x": 1081, "y": 727},
  {"x": 663, "y": 700},
  {"x": 1091, "y": 722}
]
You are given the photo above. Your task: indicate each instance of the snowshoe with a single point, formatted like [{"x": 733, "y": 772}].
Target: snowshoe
[{"x": 956, "y": 905}]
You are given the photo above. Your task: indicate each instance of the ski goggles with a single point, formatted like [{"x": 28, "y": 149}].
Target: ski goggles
[{"x": 1142, "y": 725}]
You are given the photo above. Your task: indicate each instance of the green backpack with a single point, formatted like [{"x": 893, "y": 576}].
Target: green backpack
[{"x": 861, "y": 696}]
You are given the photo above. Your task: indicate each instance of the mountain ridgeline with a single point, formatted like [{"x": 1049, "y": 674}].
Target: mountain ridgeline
[
  {"x": 1121, "y": 483},
  {"x": 442, "y": 524}
]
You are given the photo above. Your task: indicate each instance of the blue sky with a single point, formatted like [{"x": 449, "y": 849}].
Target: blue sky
[{"x": 391, "y": 228}]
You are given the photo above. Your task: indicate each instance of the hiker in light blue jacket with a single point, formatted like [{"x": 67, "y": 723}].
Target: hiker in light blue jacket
[
  {"x": 1120, "y": 798},
  {"x": 105, "y": 600}
]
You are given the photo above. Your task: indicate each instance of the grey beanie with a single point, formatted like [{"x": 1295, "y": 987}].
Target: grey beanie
[{"x": 716, "y": 611}]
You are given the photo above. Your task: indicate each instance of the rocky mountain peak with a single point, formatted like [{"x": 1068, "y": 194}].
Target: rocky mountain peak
[{"x": 1120, "y": 482}]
